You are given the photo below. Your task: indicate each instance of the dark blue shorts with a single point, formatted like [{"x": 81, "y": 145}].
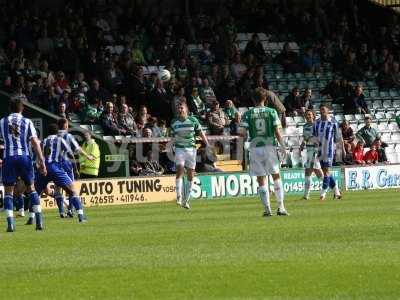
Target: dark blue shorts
[
  {"x": 68, "y": 168},
  {"x": 55, "y": 173},
  {"x": 17, "y": 166},
  {"x": 326, "y": 164}
]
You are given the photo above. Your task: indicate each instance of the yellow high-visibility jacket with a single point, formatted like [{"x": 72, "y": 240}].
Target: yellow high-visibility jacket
[{"x": 90, "y": 167}]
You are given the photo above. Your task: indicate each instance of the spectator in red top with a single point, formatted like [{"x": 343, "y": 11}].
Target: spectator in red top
[
  {"x": 371, "y": 157},
  {"x": 358, "y": 154},
  {"x": 61, "y": 84}
]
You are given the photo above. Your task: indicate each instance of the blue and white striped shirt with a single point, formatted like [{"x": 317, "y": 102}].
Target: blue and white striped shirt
[
  {"x": 16, "y": 132},
  {"x": 71, "y": 142},
  {"x": 54, "y": 149},
  {"x": 328, "y": 134}
]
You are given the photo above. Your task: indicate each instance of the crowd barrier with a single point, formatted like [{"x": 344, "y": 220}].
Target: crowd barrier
[{"x": 135, "y": 190}]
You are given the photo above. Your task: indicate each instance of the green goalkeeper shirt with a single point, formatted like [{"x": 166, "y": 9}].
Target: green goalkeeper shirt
[
  {"x": 261, "y": 123},
  {"x": 184, "y": 132}
]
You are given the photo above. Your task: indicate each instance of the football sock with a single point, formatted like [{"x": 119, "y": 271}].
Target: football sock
[
  {"x": 37, "y": 209},
  {"x": 307, "y": 186},
  {"x": 325, "y": 185},
  {"x": 264, "y": 196},
  {"x": 333, "y": 185},
  {"x": 9, "y": 207},
  {"x": 179, "y": 185},
  {"x": 60, "y": 202},
  {"x": 189, "y": 187},
  {"x": 278, "y": 190},
  {"x": 19, "y": 202}
]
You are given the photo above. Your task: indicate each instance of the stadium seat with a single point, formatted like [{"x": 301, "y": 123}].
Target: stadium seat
[
  {"x": 393, "y": 126},
  {"x": 339, "y": 118},
  {"x": 380, "y": 116},
  {"x": 390, "y": 115},
  {"x": 384, "y": 95},
  {"x": 299, "y": 120},
  {"x": 383, "y": 127},
  {"x": 385, "y": 136},
  {"x": 395, "y": 137},
  {"x": 377, "y": 105},
  {"x": 290, "y": 121},
  {"x": 350, "y": 118},
  {"x": 387, "y": 104}
]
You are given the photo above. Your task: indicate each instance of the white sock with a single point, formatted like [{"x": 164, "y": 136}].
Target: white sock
[
  {"x": 336, "y": 190},
  {"x": 307, "y": 185},
  {"x": 278, "y": 190},
  {"x": 9, "y": 213},
  {"x": 80, "y": 211},
  {"x": 189, "y": 190},
  {"x": 37, "y": 208},
  {"x": 264, "y": 196},
  {"x": 32, "y": 215},
  {"x": 179, "y": 185}
]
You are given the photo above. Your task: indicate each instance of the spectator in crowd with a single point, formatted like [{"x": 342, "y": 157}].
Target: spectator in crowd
[
  {"x": 89, "y": 168},
  {"x": 332, "y": 90},
  {"x": 179, "y": 96},
  {"x": 208, "y": 159},
  {"x": 311, "y": 61},
  {"x": 92, "y": 111},
  {"x": 358, "y": 154},
  {"x": 294, "y": 103},
  {"x": 347, "y": 135},
  {"x": 160, "y": 129},
  {"x": 135, "y": 167},
  {"x": 368, "y": 134},
  {"x": 230, "y": 110},
  {"x": 273, "y": 101},
  {"x": 348, "y": 155},
  {"x": 207, "y": 93},
  {"x": 206, "y": 56},
  {"x": 142, "y": 117},
  {"x": 151, "y": 167},
  {"x": 196, "y": 105},
  {"x": 126, "y": 121},
  {"x": 306, "y": 99},
  {"x": 235, "y": 124},
  {"x": 355, "y": 103},
  {"x": 109, "y": 122},
  {"x": 289, "y": 60},
  {"x": 160, "y": 99},
  {"x": 351, "y": 69},
  {"x": 216, "y": 119},
  {"x": 62, "y": 110},
  {"x": 98, "y": 92},
  {"x": 371, "y": 157},
  {"x": 382, "y": 157},
  {"x": 255, "y": 48}
]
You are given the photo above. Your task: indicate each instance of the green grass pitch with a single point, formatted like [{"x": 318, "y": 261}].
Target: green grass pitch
[{"x": 221, "y": 249}]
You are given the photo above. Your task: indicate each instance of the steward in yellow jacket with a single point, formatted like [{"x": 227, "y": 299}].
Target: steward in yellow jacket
[{"x": 89, "y": 168}]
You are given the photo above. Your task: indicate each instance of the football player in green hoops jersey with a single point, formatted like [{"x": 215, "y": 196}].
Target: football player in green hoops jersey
[
  {"x": 262, "y": 125},
  {"x": 184, "y": 131},
  {"x": 310, "y": 143}
]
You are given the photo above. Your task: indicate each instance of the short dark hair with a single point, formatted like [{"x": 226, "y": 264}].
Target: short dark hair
[
  {"x": 61, "y": 123},
  {"x": 52, "y": 129},
  {"x": 16, "y": 105},
  {"x": 260, "y": 94},
  {"x": 323, "y": 105}
]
